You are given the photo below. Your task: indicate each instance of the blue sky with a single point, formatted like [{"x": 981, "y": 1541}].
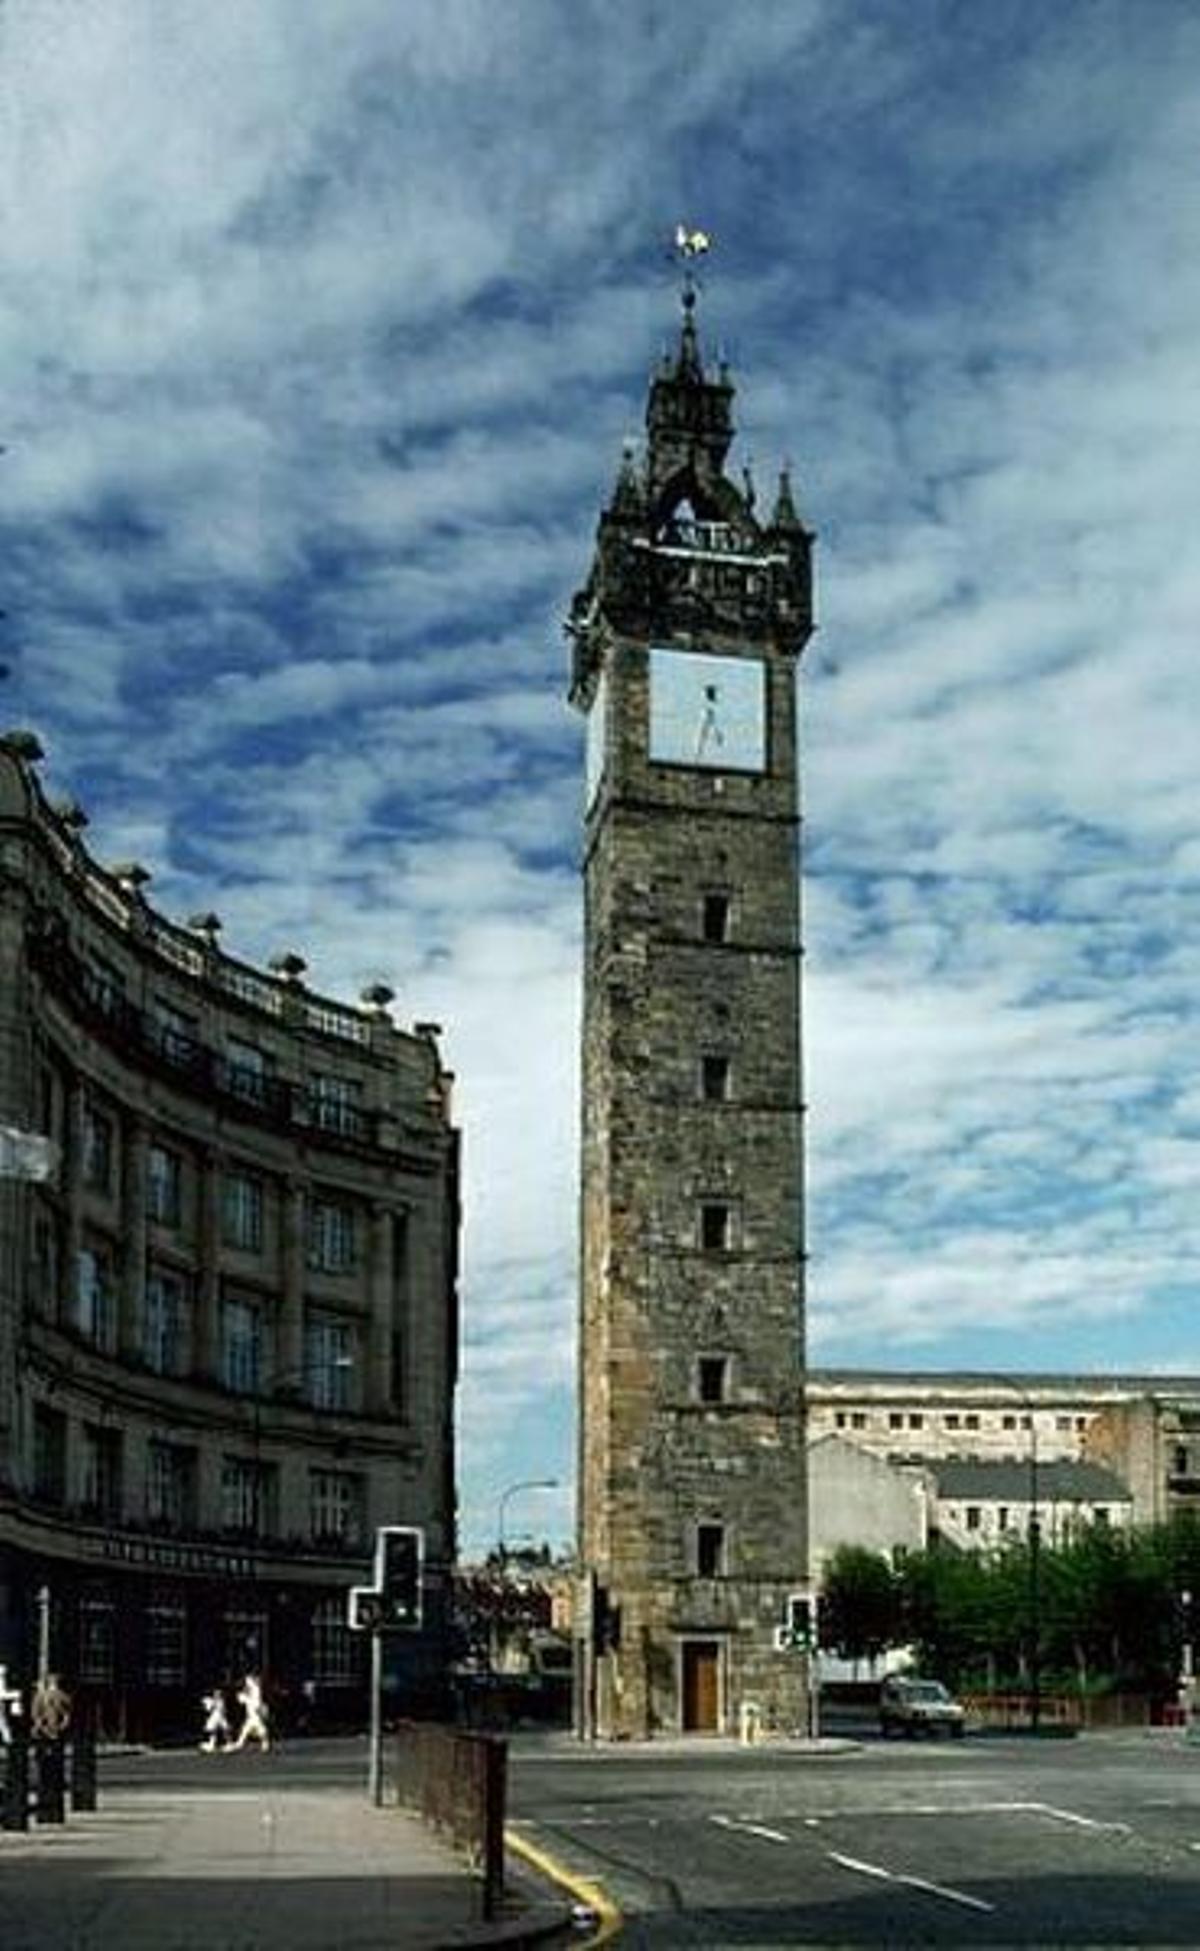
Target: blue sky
[{"x": 321, "y": 328}]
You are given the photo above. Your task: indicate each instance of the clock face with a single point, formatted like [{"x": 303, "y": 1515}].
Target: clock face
[
  {"x": 707, "y": 711},
  {"x": 597, "y": 721}
]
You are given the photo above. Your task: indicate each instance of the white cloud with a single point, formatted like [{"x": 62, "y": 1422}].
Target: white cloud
[{"x": 320, "y": 330}]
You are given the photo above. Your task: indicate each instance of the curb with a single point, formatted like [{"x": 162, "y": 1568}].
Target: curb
[{"x": 589, "y": 1896}]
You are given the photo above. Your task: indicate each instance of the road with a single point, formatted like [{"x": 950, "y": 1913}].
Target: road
[
  {"x": 980, "y": 1842},
  {"x": 984, "y": 1841}
]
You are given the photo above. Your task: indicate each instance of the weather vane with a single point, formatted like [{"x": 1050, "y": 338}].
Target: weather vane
[{"x": 690, "y": 246}]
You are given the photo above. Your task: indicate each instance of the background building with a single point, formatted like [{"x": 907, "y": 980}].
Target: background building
[
  {"x": 687, "y": 638},
  {"x": 228, "y": 1318}
]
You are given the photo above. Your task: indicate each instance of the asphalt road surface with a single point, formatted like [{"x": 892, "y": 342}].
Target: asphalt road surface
[{"x": 978, "y": 1842}]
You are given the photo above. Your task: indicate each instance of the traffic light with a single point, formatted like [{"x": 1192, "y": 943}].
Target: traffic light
[
  {"x": 802, "y": 1619},
  {"x": 399, "y": 1552},
  {"x": 365, "y": 1614}
]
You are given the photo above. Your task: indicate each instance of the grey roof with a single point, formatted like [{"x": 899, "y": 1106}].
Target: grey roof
[
  {"x": 1013, "y": 1379},
  {"x": 1011, "y": 1481}
]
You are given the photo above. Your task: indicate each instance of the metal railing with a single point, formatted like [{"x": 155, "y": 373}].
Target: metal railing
[{"x": 457, "y": 1783}]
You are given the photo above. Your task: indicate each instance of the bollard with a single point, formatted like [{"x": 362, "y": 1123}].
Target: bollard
[
  {"x": 50, "y": 1804},
  {"x": 14, "y": 1810},
  {"x": 83, "y": 1763}
]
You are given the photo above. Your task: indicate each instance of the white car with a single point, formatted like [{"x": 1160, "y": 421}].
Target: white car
[{"x": 910, "y": 1706}]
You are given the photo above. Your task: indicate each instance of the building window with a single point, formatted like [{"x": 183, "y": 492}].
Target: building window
[
  {"x": 916, "y": 1422},
  {"x": 166, "y": 1642},
  {"x": 46, "y": 1264},
  {"x": 329, "y": 1352},
  {"x": 858, "y": 1419},
  {"x": 1002, "y": 1517},
  {"x": 97, "y": 1641},
  {"x": 1009, "y": 1422},
  {"x": 974, "y": 1517},
  {"x": 49, "y": 1454},
  {"x": 100, "y": 1471},
  {"x": 971, "y": 1422},
  {"x": 246, "y": 1070},
  {"x": 334, "y": 1652},
  {"x": 895, "y": 1419},
  {"x": 164, "y": 1179},
  {"x": 178, "y": 1034},
  {"x": 242, "y": 1211},
  {"x": 710, "y": 1550},
  {"x": 95, "y": 1297},
  {"x": 1062, "y": 1422},
  {"x": 716, "y": 1226},
  {"x": 98, "y": 1146},
  {"x": 335, "y": 1104},
  {"x": 165, "y": 1343},
  {"x": 170, "y": 1486},
  {"x": 246, "y": 1496},
  {"x": 714, "y": 918},
  {"x": 951, "y": 1421},
  {"x": 335, "y": 1506},
  {"x": 1181, "y": 1460},
  {"x": 1101, "y": 1516},
  {"x": 1081, "y": 1422},
  {"x": 330, "y": 1236},
  {"x": 714, "y": 1079},
  {"x": 712, "y": 1378},
  {"x": 241, "y": 1344}
]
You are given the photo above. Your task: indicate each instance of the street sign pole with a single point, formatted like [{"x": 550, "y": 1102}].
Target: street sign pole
[{"x": 375, "y": 1756}]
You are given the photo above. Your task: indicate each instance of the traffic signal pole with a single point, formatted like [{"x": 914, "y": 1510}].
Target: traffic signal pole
[{"x": 375, "y": 1751}]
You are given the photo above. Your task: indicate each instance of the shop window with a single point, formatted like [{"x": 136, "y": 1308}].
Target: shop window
[
  {"x": 97, "y": 1641},
  {"x": 166, "y": 1642},
  {"x": 335, "y": 1653}
]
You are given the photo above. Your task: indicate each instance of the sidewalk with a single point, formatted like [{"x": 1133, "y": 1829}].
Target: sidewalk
[{"x": 244, "y": 1870}]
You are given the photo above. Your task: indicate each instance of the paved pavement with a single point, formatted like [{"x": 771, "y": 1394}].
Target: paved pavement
[{"x": 254, "y": 1868}]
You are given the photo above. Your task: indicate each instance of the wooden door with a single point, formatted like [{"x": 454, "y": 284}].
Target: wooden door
[{"x": 701, "y": 1694}]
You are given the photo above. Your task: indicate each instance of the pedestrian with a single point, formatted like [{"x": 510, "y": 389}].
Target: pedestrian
[
  {"x": 216, "y": 1721},
  {"x": 10, "y": 1708},
  {"x": 51, "y": 1713},
  {"x": 254, "y": 1710}
]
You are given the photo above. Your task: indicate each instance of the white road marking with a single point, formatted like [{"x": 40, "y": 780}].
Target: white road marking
[
  {"x": 856, "y": 1863},
  {"x": 944, "y": 1890},
  {"x": 749, "y": 1829},
  {"x": 913, "y": 1882}
]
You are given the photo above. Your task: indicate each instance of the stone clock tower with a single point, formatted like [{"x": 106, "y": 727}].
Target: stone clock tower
[{"x": 687, "y": 637}]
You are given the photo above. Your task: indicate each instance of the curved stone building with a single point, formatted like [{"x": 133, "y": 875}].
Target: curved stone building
[{"x": 228, "y": 1305}]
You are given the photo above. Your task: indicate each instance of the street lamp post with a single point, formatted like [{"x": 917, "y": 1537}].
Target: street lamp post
[{"x": 526, "y": 1483}]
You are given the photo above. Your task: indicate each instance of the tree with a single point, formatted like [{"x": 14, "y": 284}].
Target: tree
[{"x": 859, "y": 1615}]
